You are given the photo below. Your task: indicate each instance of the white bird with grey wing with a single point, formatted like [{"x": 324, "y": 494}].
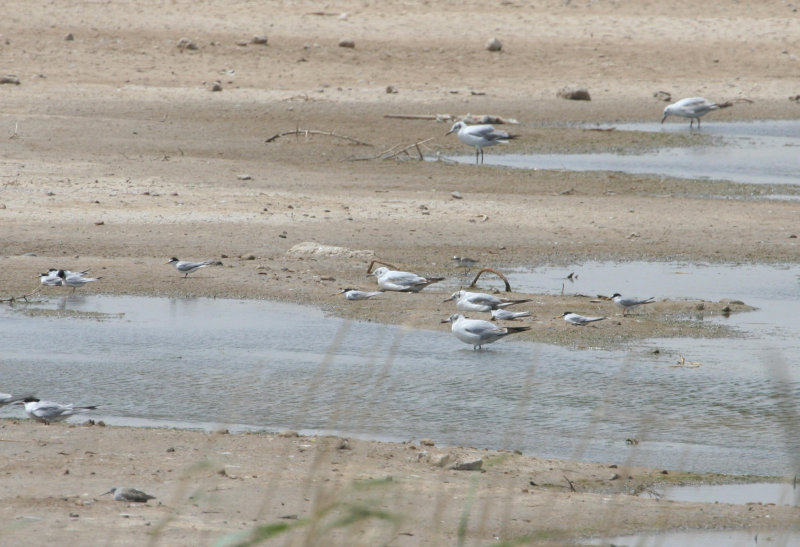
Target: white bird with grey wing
[
  {"x": 395, "y": 280},
  {"x": 477, "y": 332},
  {"x": 478, "y": 301},
  {"x": 186, "y": 267},
  {"x": 479, "y": 136}
]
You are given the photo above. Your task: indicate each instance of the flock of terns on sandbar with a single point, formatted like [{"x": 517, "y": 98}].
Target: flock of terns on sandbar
[
  {"x": 475, "y": 332},
  {"x": 483, "y": 135}
]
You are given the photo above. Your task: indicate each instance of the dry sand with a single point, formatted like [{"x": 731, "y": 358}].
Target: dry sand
[{"x": 117, "y": 155}]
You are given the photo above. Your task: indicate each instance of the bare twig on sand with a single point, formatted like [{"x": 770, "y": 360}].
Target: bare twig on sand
[
  {"x": 308, "y": 132},
  {"x": 24, "y": 297},
  {"x": 393, "y": 152},
  {"x": 376, "y": 261},
  {"x": 508, "y": 285}
]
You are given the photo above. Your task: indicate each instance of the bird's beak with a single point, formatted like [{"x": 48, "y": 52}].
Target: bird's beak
[
  {"x": 447, "y": 299},
  {"x": 662, "y": 119},
  {"x": 445, "y": 320},
  {"x": 448, "y": 132},
  {"x": 104, "y": 493}
]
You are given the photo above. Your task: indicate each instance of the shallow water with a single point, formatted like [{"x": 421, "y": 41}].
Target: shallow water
[
  {"x": 751, "y": 152},
  {"x": 778, "y": 493},
  {"x": 272, "y": 366},
  {"x": 702, "y": 538}
]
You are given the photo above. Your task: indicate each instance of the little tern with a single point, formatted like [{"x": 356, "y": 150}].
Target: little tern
[
  {"x": 186, "y": 267},
  {"x": 47, "y": 412},
  {"x": 629, "y": 303},
  {"x": 128, "y": 494},
  {"x": 505, "y": 315},
  {"x": 355, "y": 294},
  {"x": 692, "y": 108},
  {"x": 477, "y": 332},
  {"x": 478, "y": 301},
  {"x": 580, "y": 320},
  {"x": 479, "y": 136},
  {"x": 395, "y": 280}
]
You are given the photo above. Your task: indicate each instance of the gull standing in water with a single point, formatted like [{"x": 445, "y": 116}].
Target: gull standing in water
[
  {"x": 355, "y": 294},
  {"x": 478, "y": 301},
  {"x": 48, "y": 411},
  {"x": 692, "y": 108},
  {"x": 505, "y": 315},
  {"x": 479, "y": 136},
  {"x": 75, "y": 280},
  {"x": 186, "y": 267},
  {"x": 478, "y": 332},
  {"x": 580, "y": 320},
  {"x": 395, "y": 280},
  {"x": 629, "y": 303}
]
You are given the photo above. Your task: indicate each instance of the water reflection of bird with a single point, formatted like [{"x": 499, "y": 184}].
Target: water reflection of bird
[{"x": 478, "y": 332}]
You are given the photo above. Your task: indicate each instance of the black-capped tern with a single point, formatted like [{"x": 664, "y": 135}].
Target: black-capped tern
[
  {"x": 186, "y": 267},
  {"x": 128, "y": 494},
  {"x": 630, "y": 303},
  {"x": 478, "y": 332},
  {"x": 47, "y": 411},
  {"x": 502, "y": 314},
  {"x": 580, "y": 320},
  {"x": 479, "y": 136},
  {"x": 355, "y": 294},
  {"x": 76, "y": 279}
]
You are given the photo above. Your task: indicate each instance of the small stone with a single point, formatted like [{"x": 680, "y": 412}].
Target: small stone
[
  {"x": 99, "y": 223},
  {"x": 427, "y": 442},
  {"x": 9, "y": 79},
  {"x": 613, "y": 477},
  {"x": 260, "y": 40},
  {"x": 456, "y": 195},
  {"x": 494, "y": 45},
  {"x": 216, "y": 86},
  {"x": 288, "y": 434},
  {"x": 467, "y": 465},
  {"x": 242, "y": 43},
  {"x": 185, "y": 43},
  {"x": 700, "y": 306},
  {"x": 439, "y": 460},
  {"x": 244, "y": 176},
  {"x": 347, "y": 43},
  {"x": 69, "y": 37},
  {"x": 574, "y": 93},
  {"x": 390, "y": 89}
]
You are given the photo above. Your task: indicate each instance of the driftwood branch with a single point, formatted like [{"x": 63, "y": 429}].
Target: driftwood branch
[
  {"x": 393, "y": 152},
  {"x": 508, "y": 285},
  {"x": 307, "y": 132},
  {"x": 24, "y": 297},
  {"x": 376, "y": 261}
]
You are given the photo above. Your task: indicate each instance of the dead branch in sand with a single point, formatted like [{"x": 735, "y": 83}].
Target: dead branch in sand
[
  {"x": 393, "y": 152},
  {"x": 24, "y": 297},
  {"x": 508, "y": 285},
  {"x": 307, "y": 132},
  {"x": 376, "y": 261}
]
